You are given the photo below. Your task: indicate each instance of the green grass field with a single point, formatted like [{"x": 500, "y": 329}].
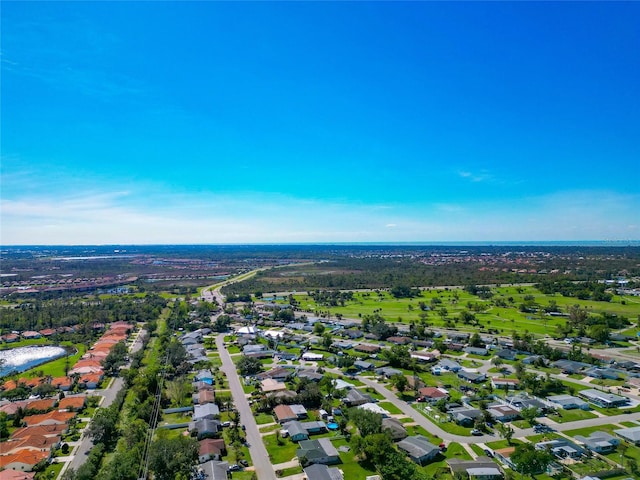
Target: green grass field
[{"x": 506, "y": 319}]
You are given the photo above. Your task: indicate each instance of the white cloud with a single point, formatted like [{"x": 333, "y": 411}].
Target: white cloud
[{"x": 133, "y": 216}]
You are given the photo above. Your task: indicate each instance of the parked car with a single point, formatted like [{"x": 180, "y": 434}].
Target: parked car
[
  {"x": 475, "y": 432},
  {"x": 488, "y": 453},
  {"x": 234, "y": 468},
  {"x": 244, "y": 463}
]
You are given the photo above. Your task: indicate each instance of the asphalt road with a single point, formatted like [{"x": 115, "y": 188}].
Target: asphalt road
[
  {"x": 421, "y": 420},
  {"x": 259, "y": 454},
  {"x": 79, "y": 455}
]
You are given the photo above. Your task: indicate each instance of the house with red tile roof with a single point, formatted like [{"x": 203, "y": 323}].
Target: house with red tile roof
[
  {"x": 62, "y": 383},
  {"x": 43, "y": 430},
  {"x": 10, "y": 337},
  {"x": 42, "y": 405},
  {"x": 12, "y": 408},
  {"x": 90, "y": 380},
  {"x": 72, "y": 404},
  {"x": 47, "y": 332},
  {"x": 30, "y": 334},
  {"x": 211, "y": 449},
  {"x": 38, "y": 443},
  {"x": 15, "y": 475},
  {"x": 23, "y": 461},
  {"x": 51, "y": 418},
  {"x": 432, "y": 394}
]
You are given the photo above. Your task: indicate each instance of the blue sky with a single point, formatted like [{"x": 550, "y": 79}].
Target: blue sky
[{"x": 212, "y": 122}]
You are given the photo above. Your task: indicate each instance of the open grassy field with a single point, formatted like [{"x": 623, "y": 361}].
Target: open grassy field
[{"x": 504, "y": 318}]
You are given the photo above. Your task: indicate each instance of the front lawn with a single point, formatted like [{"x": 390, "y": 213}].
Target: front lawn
[
  {"x": 565, "y": 416},
  {"x": 280, "y": 453},
  {"x": 390, "y": 407}
]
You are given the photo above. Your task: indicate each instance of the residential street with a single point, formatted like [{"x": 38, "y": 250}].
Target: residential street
[
  {"x": 259, "y": 454},
  {"x": 433, "y": 428},
  {"x": 79, "y": 454}
]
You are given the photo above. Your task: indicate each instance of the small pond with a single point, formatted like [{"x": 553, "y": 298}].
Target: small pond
[{"x": 23, "y": 358}]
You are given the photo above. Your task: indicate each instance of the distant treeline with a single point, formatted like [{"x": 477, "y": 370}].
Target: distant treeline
[{"x": 41, "y": 314}]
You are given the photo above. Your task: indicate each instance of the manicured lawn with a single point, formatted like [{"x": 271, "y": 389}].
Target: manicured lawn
[
  {"x": 351, "y": 468},
  {"x": 262, "y": 418},
  {"x": 565, "y": 416},
  {"x": 498, "y": 444},
  {"x": 279, "y": 453},
  {"x": 390, "y": 407},
  {"x": 270, "y": 428},
  {"x": 288, "y": 471},
  {"x": 585, "y": 432},
  {"x": 437, "y": 469}
]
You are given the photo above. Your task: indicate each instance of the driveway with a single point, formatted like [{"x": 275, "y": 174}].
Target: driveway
[{"x": 259, "y": 454}]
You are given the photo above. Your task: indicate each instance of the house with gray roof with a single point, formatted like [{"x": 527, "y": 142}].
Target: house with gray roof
[
  {"x": 482, "y": 468},
  {"x": 600, "y": 442},
  {"x": 419, "y": 449},
  {"x": 465, "y": 416},
  {"x": 562, "y": 448},
  {"x": 205, "y": 428},
  {"x": 449, "y": 365},
  {"x": 472, "y": 377},
  {"x": 322, "y": 472},
  {"x": 631, "y": 434},
  {"x": 568, "y": 402},
  {"x": 476, "y": 351},
  {"x": 388, "y": 371},
  {"x": 318, "y": 451},
  {"x": 362, "y": 365},
  {"x": 214, "y": 470},
  {"x": 209, "y": 411},
  {"x": 603, "y": 399},
  {"x": 296, "y": 431},
  {"x": 394, "y": 428},
  {"x": 355, "y": 397}
]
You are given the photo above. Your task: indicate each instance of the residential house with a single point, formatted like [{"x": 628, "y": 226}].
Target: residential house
[
  {"x": 506, "y": 354},
  {"x": 476, "y": 351},
  {"x": 352, "y": 334},
  {"x": 600, "y": 442},
  {"x": 214, "y": 470},
  {"x": 296, "y": 431},
  {"x": 482, "y": 468},
  {"x": 450, "y": 365},
  {"x": 30, "y": 335},
  {"x": 284, "y": 414},
  {"x": 504, "y": 456},
  {"x": 375, "y": 408},
  {"x": 362, "y": 365},
  {"x": 432, "y": 394},
  {"x": 568, "y": 402},
  {"x": 570, "y": 366},
  {"x": 209, "y": 411},
  {"x": 299, "y": 410},
  {"x": 394, "y": 428},
  {"x": 205, "y": 428},
  {"x": 312, "y": 357},
  {"x": 322, "y": 472},
  {"x": 90, "y": 380},
  {"x": 355, "y": 397},
  {"x": 72, "y": 404},
  {"x": 419, "y": 449},
  {"x": 62, "y": 383},
  {"x": 630, "y": 434},
  {"x": 603, "y": 399},
  {"x": 15, "y": 475},
  {"x": 505, "y": 383},
  {"x": 204, "y": 376},
  {"x": 465, "y": 416},
  {"x": 369, "y": 349},
  {"x": 278, "y": 373},
  {"x": 472, "y": 377},
  {"x": 51, "y": 418},
  {"x": 204, "y": 395},
  {"x": 211, "y": 449},
  {"x": 561, "y": 448},
  {"x": 41, "y": 405},
  {"x": 269, "y": 385},
  {"x": 388, "y": 372},
  {"x": 318, "y": 451},
  {"x": 503, "y": 413},
  {"x": 310, "y": 375},
  {"x": 23, "y": 461}
]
